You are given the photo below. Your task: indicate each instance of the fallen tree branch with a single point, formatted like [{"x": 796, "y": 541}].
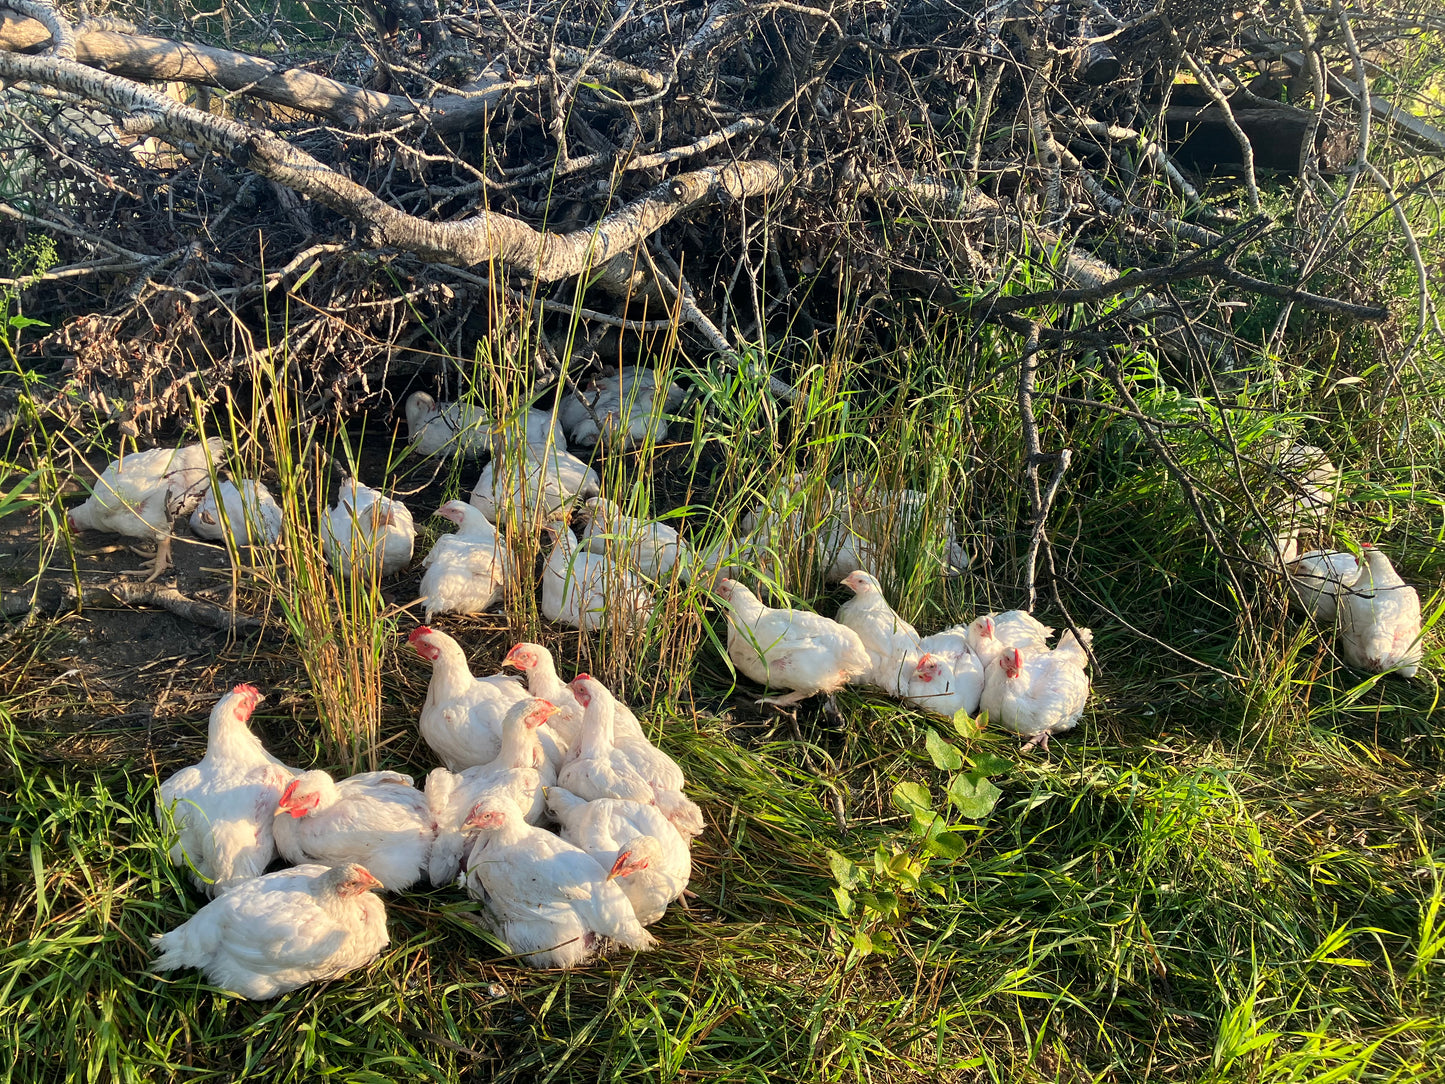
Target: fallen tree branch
[
  {"x": 129, "y": 593},
  {"x": 485, "y": 237},
  {"x": 140, "y": 57}
]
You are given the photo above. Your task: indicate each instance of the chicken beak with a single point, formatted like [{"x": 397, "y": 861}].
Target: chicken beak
[
  {"x": 619, "y": 867},
  {"x": 286, "y": 796}
]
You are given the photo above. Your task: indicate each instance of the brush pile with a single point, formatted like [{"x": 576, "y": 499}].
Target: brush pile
[{"x": 603, "y": 173}]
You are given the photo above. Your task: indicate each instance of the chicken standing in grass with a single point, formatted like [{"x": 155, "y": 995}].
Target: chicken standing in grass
[
  {"x": 365, "y": 528},
  {"x": 545, "y": 897},
  {"x": 281, "y": 931},
  {"x": 248, "y": 513},
  {"x": 533, "y": 484},
  {"x": 625, "y": 403},
  {"x": 587, "y": 591},
  {"x": 650, "y": 547},
  {"x": 599, "y": 767},
  {"x": 446, "y": 428},
  {"x": 802, "y": 652},
  {"x": 891, "y": 642},
  {"x": 378, "y": 819},
  {"x": 1380, "y": 619},
  {"x": 465, "y": 572},
  {"x": 139, "y": 494},
  {"x": 222, "y": 806},
  {"x": 462, "y": 717},
  {"x": 1038, "y": 694},
  {"x": 520, "y": 771},
  {"x": 628, "y": 836}
]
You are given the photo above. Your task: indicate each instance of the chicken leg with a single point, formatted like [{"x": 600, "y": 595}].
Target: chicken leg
[
  {"x": 160, "y": 562},
  {"x": 783, "y": 701},
  {"x": 1039, "y": 741}
]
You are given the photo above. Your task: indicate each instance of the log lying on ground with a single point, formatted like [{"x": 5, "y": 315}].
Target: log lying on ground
[{"x": 1200, "y": 138}]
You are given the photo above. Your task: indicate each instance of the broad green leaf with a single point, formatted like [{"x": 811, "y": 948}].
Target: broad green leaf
[
  {"x": 908, "y": 797},
  {"x": 967, "y": 728},
  {"x": 845, "y": 900},
  {"x": 988, "y": 764},
  {"x": 973, "y": 795},
  {"x": 845, "y": 872},
  {"x": 947, "y": 844},
  {"x": 944, "y": 755},
  {"x": 862, "y": 943}
]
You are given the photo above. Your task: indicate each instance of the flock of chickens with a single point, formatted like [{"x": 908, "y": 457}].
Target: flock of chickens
[
  {"x": 514, "y": 757},
  {"x": 517, "y": 759}
]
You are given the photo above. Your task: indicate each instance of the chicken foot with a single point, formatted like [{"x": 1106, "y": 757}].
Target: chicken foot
[
  {"x": 159, "y": 562},
  {"x": 1039, "y": 741}
]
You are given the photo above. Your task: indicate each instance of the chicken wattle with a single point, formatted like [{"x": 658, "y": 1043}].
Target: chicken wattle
[
  {"x": 221, "y": 807},
  {"x": 281, "y": 931}
]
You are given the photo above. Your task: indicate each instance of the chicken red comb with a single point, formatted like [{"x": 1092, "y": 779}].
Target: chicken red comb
[
  {"x": 582, "y": 677},
  {"x": 417, "y": 633},
  {"x": 246, "y": 689},
  {"x": 926, "y": 657},
  {"x": 286, "y": 794}
]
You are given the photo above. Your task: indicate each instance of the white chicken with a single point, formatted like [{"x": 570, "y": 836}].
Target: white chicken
[
  {"x": 364, "y": 528},
  {"x": 1038, "y": 694},
  {"x": 991, "y": 634},
  {"x": 517, "y": 772},
  {"x": 281, "y": 931},
  {"x": 945, "y": 685},
  {"x": 1317, "y": 579},
  {"x": 891, "y": 642},
  {"x": 651, "y": 547},
  {"x": 792, "y": 521},
  {"x": 462, "y": 717},
  {"x": 546, "y": 898},
  {"x": 222, "y": 805},
  {"x": 539, "y": 430},
  {"x": 796, "y": 650},
  {"x": 586, "y": 591},
  {"x": 248, "y": 513},
  {"x": 446, "y": 428},
  {"x": 535, "y": 484},
  {"x": 466, "y": 571},
  {"x": 536, "y": 663},
  {"x": 881, "y": 519},
  {"x": 629, "y": 837},
  {"x": 625, "y": 402},
  {"x": 1380, "y": 619},
  {"x": 139, "y": 494},
  {"x": 598, "y": 766},
  {"x": 378, "y": 819}
]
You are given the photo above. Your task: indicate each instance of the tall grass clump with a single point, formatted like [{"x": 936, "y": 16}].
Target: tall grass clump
[{"x": 338, "y": 621}]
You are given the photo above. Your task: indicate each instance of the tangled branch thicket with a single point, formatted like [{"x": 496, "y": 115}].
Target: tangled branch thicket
[{"x": 363, "y": 197}]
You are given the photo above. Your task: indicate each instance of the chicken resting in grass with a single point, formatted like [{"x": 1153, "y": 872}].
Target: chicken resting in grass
[
  {"x": 1038, "y": 694},
  {"x": 222, "y": 806},
  {"x": 1380, "y": 619},
  {"x": 462, "y": 717},
  {"x": 891, "y": 642},
  {"x": 281, "y": 931},
  {"x": 465, "y": 572}
]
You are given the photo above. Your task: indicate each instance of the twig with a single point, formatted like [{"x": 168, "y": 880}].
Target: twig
[
  {"x": 131, "y": 594},
  {"x": 1039, "y": 504}
]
